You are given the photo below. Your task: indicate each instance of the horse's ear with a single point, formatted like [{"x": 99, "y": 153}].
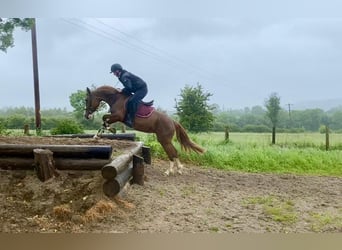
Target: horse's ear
[{"x": 88, "y": 90}]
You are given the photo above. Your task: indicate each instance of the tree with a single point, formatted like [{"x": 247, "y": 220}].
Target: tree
[
  {"x": 193, "y": 110},
  {"x": 77, "y": 101},
  {"x": 7, "y": 27},
  {"x": 273, "y": 107}
]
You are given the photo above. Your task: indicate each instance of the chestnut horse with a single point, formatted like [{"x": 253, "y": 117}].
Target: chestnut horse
[{"x": 159, "y": 123}]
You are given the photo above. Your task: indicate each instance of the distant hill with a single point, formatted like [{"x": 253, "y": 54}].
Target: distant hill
[{"x": 321, "y": 104}]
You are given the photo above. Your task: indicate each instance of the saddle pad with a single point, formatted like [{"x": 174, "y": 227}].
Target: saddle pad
[{"x": 144, "y": 111}]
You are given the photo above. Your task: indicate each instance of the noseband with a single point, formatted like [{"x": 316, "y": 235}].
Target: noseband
[{"x": 90, "y": 110}]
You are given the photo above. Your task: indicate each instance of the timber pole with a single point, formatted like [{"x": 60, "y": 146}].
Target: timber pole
[{"x": 35, "y": 77}]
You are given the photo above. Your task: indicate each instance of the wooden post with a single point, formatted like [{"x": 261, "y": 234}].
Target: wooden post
[
  {"x": 138, "y": 170},
  {"x": 44, "y": 164},
  {"x": 113, "y": 187},
  {"x": 26, "y": 129},
  {"x": 226, "y": 133},
  {"x": 327, "y": 142},
  {"x": 273, "y": 135},
  {"x": 146, "y": 153}
]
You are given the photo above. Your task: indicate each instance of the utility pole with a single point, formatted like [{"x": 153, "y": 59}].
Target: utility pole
[
  {"x": 35, "y": 77},
  {"x": 289, "y": 105}
]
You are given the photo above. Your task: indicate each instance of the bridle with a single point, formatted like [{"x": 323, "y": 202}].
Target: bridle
[{"x": 90, "y": 110}]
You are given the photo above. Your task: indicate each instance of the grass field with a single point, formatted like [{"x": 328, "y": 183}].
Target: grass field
[{"x": 252, "y": 152}]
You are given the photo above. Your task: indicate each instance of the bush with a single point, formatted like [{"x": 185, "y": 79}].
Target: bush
[
  {"x": 322, "y": 129},
  {"x": 67, "y": 126},
  {"x": 2, "y": 129}
]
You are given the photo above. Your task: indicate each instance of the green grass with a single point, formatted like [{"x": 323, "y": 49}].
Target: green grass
[
  {"x": 252, "y": 152},
  {"x": 275, "y": 208},
  {"x": 321, "y": 222}
]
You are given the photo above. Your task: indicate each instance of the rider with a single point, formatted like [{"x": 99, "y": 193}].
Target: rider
[{"x": 132, "y": 85}]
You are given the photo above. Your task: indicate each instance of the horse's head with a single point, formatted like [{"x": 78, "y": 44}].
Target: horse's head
[{"x": 92, "y": 103}]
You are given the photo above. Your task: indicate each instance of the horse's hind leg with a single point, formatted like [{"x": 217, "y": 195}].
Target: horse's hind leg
[
  {"x": 179, "y": 166},
  {"x": 173, "y": 157},
  {"x": 171, "y": 153}
]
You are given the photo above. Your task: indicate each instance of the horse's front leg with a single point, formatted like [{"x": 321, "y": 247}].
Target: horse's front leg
[
  {"x": 106, "y": 121},
  {"x": 105, "y": 125}
]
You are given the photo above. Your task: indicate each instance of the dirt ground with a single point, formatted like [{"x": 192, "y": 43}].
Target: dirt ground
[{"x": 200, "y": 200}]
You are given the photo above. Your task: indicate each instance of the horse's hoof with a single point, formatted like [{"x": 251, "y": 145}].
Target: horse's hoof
[
  {"x": 180, "y": 172},
  {"x": 169, "y": 172},
  {"x": 95, "y": 137}
]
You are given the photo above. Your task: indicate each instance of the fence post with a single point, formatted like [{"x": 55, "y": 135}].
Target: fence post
[
  {"x": 327, "y": 143},
  {"x": 226, "y": 133}
]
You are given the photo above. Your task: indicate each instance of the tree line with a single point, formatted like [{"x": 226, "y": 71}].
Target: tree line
[{"x": 195, "y": 114}]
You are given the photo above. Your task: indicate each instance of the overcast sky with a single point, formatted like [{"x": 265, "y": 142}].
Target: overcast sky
[{"x": 239, "y": 60}]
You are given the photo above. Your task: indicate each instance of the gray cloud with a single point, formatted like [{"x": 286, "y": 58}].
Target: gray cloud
[{"x": 239, "y": 60}]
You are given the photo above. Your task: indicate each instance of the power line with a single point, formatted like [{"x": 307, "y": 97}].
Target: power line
[
  {"x": 171, "y": 61},
  {"x": 163, "y": 52},
  {"x": 106, "y": 35}
]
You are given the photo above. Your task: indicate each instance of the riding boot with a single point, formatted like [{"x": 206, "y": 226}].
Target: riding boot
[
  {"x": 129, "y": 120},
  {"x": 132, "y": 109}
]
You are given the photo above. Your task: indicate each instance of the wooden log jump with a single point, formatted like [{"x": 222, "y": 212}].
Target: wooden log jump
[
  {"x": 133, "y": 171},
  {"x": 13, "y": 163},
  {"x": 123, "y": 136},
  {"x": 46, "y": 159},
  {"x": 114, "y": 186},
  {"x": 112, "y": 169},
  {"x": 65, "y": 151}
]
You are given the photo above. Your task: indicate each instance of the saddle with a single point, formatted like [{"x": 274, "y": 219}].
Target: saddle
[{"x": 144, "y": 109}]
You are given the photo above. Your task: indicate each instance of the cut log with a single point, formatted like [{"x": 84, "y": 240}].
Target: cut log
[
  {"x": 13, "y": 163},
  {"x": 63, "y": 151},
  {"x": 80, "y": 164},
  {"x": 120, "y": 163},
  {"x": 146, "y": 153},
  {"x": 138, "y": 170},
  {"x": 44, "y": 164},
  {"x": 124, "y": 136},
  {"x": 114, "y": 186}
]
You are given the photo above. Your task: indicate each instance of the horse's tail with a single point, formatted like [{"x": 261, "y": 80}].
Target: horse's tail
[{"x": 185, "y": 141}]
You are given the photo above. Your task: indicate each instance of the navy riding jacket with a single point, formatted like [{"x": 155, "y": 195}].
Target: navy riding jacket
[{"x": 132, "y": 83}]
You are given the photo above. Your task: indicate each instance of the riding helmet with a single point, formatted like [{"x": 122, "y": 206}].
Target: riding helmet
[{"x": 115, "y": 67}]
